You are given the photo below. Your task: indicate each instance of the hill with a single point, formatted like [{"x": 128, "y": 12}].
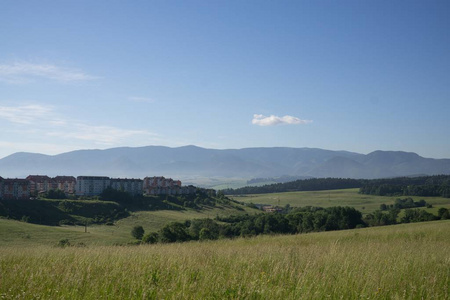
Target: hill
[
  {"x": 112, "y": 206},
  {"x": 405, "y": 261},
  {"x": 195, "y": 162},
  {"x": 15, "y": 233}
]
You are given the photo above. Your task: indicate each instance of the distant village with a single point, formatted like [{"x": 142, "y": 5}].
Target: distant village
[{"x": 88, "y": 186}]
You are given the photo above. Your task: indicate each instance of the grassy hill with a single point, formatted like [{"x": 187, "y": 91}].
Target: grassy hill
[
  {"x": 345, "y": 197},
  {"x": 16, "y": 233},
  {"x": 408, "y": 261},
  {"x": 56, "y": 212}
]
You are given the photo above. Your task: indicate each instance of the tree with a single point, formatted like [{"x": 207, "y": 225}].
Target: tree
[
  {"x": 55, "y": 194},
  {"x": 206, "y": 234},
  {"x": 151, "y": 238},
  {"x": 111, "y": 194},
  {"x": 197, "y": 225},
  {"x": 137, "y": 232},
  {"x": 173, "y": 232},
  {"x": 443, "y": 213},
  {"x": 417, "y": 215}
]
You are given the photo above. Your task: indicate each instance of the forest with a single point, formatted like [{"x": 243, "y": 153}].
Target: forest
[
  {"x": 314, "y": 184},
  {"x": 426, "y": 186}
]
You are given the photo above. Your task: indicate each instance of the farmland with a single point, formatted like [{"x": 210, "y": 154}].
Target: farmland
[{"x": 345, "y": 197}]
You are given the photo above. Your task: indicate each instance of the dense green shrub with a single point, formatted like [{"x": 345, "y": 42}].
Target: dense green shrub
[
  {"x": 150, "y": 238},
  {"x": 137, "y": 232}
]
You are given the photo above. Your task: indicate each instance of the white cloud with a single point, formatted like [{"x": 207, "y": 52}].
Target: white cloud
[
  {"x": 25, "y": 114},
  {"x": 272, "y": 120},
  {"x": 141, "y": 99},
  {"x": 23, "y": 72},
  {"x": 102, "y": 135},
  {"x": 45, "y": 122}
]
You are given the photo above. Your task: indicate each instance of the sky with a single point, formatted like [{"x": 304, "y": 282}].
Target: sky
[{"x": 339, "y": 75}]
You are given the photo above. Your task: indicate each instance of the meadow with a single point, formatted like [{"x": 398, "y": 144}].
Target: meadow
[
  {"x": 346, "y": 197},
  {"x": 16, "y": 233},
  {"x": 407, "y": 261}
]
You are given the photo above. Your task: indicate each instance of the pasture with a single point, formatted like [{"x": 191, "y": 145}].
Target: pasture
[
  {"x": 408, "y": 261},
  {"x": 346, "y": 197},
  {"x": 15, "y": 233}
]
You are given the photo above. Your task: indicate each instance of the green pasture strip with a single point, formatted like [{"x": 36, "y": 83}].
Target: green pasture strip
[{"x": 345, "y": 197}]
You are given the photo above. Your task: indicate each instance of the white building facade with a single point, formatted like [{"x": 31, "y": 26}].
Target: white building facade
[{"x": 91, "y": 185}]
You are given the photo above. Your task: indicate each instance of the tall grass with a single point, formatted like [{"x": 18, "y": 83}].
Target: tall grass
[{"x": 410, "y": 261}]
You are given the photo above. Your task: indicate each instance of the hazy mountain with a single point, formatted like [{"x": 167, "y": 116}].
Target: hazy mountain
[{"x": 194, "y": 161}]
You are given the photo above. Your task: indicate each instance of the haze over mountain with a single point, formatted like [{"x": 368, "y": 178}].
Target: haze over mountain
[{"x": 192, "y": 161}]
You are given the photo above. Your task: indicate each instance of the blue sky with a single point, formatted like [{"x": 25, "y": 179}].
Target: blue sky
[{"x": 340, "y": 75}]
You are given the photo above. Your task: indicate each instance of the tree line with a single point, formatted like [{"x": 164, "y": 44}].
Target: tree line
[
  {"x": 426, "y": 186},
  {"x": 299, "y": 220},
  {"x": 405, "y": 203},
  {"x": 438, "y": 185},
  {"x": 313, "y": 184},
  {"x": 390, "y": 216}
]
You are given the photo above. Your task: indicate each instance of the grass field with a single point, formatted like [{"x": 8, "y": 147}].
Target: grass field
[
  {"x": 346, "y": 197},
  {"x": 408, "y": 261},
  {"x": 15, "y": 233}
]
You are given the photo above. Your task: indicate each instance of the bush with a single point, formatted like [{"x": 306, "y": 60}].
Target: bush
[
  {"x": 206, "y": 234},
  {"x": 63, "y": 243},
  {"x": 443, "y": 213},
  {"x": 151, "y": 238},
  {"x": 137, "y": 232},
  {"x": 174, "y": 232},
  {"x": 55, "y": 194}
]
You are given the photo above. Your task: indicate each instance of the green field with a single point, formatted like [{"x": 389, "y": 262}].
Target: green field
[
  {"x": 346, "y": 197},
  {"x": 19, "y": 233},
  {"x": 15, "y": 233},
  {"x": 408, "y": 261}
]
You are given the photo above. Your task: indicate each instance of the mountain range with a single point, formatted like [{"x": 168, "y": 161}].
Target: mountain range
[{"x": 192, "y": 161}]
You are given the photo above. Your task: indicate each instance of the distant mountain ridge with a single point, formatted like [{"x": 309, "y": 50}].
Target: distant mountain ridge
[{"x": 231, "y": 163}]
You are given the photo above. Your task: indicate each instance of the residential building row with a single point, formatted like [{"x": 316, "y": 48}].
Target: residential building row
[
  {"x": 34, "y": 185},
  {"x": 42, "y": 184},
  {"x": 14, "y": 188},
  {"x": 95, "y": 185}
]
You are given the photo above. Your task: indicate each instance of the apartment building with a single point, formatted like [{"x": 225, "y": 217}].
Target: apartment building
[
  {"x": 40, "y": 184},
  {"x": 131, "y": 186},
  {"x": 91, "y": 185},
  {"x": 161, "y": 186},
  {"x": 166, "y": 186},
  {"x": 15, "y": 189},
  {"x": 65, "y": 183}
]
